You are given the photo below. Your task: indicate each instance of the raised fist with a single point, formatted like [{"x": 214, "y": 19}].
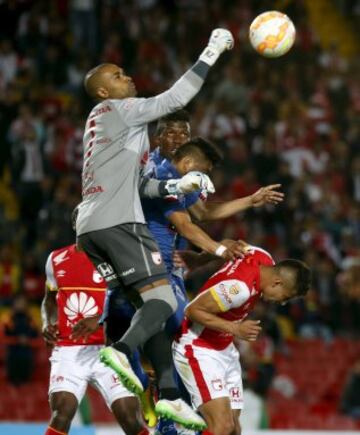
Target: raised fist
[{"x": 221, "y": 40}]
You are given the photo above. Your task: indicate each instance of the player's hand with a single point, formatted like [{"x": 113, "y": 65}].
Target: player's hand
[
  {"x": 50, "y": 333},
  {"x": 193, "y": 181},
  {"x": 267, "y": 195},
  {"x": 85, "y": 327},
  {"x": 221, "y": 40},
  {"x": 247, "y": 330},
  {"x": 238, "y": 248}
]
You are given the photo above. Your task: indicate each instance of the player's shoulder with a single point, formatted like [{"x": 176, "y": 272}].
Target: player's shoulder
[
  {"x": 261, "y": 255},
  {"x": 62, "y": 254},
  {"x": 125, "y": 103},
  {"x": 166, "y": 170}
]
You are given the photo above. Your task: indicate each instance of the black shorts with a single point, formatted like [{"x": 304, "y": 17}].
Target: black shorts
[{"x": 125, "y": 254}]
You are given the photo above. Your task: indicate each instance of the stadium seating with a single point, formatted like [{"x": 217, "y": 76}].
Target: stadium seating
[{"x": 317, "y": 391}]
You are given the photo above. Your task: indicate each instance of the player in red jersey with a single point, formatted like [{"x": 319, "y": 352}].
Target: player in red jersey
[
  {"x": 204, "y": 353},
  {"x": 71, "y": 308}
]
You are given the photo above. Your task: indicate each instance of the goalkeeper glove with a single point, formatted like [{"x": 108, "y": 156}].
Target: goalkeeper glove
[
  {"x": 189, "y": 183},
  {"x": 220, "y": 40}
]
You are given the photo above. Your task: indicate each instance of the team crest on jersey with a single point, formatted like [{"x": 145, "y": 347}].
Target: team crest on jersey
[
  {"x": 80, "y": 304},
  {"x": 97, "y": 278},
  {"x": 217, "y": 384},
  {"x": 234, "y": 289},
  {"x": 156, "y": 257}
]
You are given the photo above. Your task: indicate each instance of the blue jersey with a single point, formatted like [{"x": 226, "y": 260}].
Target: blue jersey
[
  {"x": 155, "y": 159},
  {"x": 158, "y": 210}
]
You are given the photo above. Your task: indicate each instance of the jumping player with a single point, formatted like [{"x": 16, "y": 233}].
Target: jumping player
[{"x": 111, "y": 227}]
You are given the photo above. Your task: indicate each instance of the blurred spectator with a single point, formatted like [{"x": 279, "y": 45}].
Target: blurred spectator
[
  {"x": 350, "y": 401},
  {"x": 10, "y": 274},
  {"x": 19, "y": 330}
]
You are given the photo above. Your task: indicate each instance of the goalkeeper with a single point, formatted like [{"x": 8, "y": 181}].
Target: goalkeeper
[{"x": 111, "y": 228}]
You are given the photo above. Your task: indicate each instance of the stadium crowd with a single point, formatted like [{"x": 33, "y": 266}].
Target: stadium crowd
[{"x": 294, "y": 121}]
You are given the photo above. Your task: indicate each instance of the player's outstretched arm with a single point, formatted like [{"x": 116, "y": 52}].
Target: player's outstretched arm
[
  {"x": 138, "y": 111},
  {"x": 206, "y": 211},
  {"x": 192, "y": 232}
]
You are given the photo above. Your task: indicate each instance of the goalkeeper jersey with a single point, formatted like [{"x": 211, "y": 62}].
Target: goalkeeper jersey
[{"x": 116, "y": 150}]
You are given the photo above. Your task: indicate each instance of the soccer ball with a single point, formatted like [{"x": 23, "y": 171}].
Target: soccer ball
[{"x": 272, "y": 34}]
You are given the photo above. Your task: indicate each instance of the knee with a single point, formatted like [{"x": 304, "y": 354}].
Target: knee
[
  {"x": 222, "y": 427},
  {"x": 128, "y": 414},
  {"x": 61, "y": 418},
  {"x": 131, "y": 424}
]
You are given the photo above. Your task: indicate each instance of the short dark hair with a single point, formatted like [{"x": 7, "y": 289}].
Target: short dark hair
[
  {"x": 302, "y": 274},
  {"x": 198, "y": 146},
  {"x": 178, "y": 116}
]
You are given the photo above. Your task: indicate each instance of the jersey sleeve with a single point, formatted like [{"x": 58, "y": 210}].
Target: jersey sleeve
[
  {"x": 50, "y": 276},
  {"x": 137, "y": 111},
  {"x": 230, "y": 293},
  {"x": 192, "y": 198},
  {"x": 171, "y": 205}
]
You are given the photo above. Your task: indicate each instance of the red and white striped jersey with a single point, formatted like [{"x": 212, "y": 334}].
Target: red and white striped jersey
[
  {"x": 236, "y": 288},
  {"x": 80, "y": 292}
]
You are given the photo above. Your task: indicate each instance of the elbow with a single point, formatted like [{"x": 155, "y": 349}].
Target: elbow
[{"x": 190, "y": 312}]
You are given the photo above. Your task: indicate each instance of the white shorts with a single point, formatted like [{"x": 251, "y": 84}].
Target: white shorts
[
  {"x": 210, "y": 374},
  {"x": 74, "y": 367}
]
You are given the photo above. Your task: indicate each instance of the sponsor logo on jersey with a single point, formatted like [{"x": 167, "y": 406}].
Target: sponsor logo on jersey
[
  {"x": 60, "y": 273},
  {"x": 101, "y": 110},
  {"x": 57, "y": 379},
  {"x": 106, "y": 271},
  {"x": 92, "y": 190},
  {"x": 80, "y": 305},
  {"x": 156, "y": 257},
  {"x": 235, "y": 394},
  {"x": 60, "y": 257},
  {"x": 225, "y": 293},
  {"x": 128, "y": 272}
]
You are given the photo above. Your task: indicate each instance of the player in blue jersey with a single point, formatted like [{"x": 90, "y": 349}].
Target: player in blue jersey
[
  {"x": 168, "y": 218},
  {"x": 172, "y": 131},
  {"x": 171, "y": 216}
]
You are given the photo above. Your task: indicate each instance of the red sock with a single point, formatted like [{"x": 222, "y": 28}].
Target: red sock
[
  {"x": 206, "y": 432},
  {"x": 52, "y": 431},
  {"x": 144, "y": 432}
]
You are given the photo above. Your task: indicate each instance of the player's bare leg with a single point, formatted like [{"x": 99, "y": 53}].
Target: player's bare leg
[
  {"x": 128, "y": 414},
  {"x": 218, "y": 416},
  {"x": 63, "y": 407},
  {"x": 236, "y": 419}
]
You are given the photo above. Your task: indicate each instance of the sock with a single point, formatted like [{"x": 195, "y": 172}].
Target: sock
[
  {"x": 147, "y": 321},
  {"x": 52, "y": 431},
  {"x": 158, "y": 350},
  {"x": 166, "y": 426},
  {"x": 144, "y": 431}
]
